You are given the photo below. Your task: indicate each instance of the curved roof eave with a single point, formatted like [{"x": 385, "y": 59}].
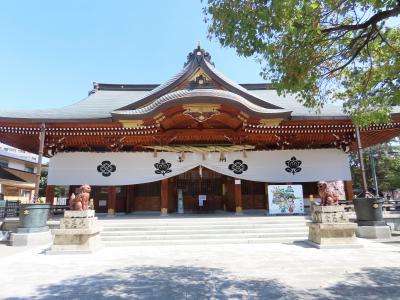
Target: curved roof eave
[
  {"x": 55, "y": 120},
  {"x": 199, "y": 58},
  {"x": 194, "y": 96},
  {"x": 163, "y": 88},
  {"x": 234, "y": 87}
]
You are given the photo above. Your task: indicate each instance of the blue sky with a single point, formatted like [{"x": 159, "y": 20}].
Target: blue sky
[{"x": 52, "y": 51}]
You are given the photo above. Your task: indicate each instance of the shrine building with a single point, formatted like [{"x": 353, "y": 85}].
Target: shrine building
[{"x": 143, "y": 146}]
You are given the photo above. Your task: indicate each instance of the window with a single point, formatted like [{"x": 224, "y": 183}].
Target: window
[
  {"x": 29, "y": 169},
  {"x": 3, "y": 163}
]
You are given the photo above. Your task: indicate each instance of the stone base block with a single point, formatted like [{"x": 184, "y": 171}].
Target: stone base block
[
  {"x": 4, "y": 236},
  {"x": 32, "y": 230},
  {"x": 334, "y": 246},
  {"x": 325, "y": 234},
  {"x": 75, "y": 243},
  {"x": 73, "y": 223},
  {"x": 374, "y": 232},
  {"x": 76, "y": 231},
  {"x": 31, "y": 239},
  {"x": 371, "y": 223},
  {"x": 79, "y": 214}
]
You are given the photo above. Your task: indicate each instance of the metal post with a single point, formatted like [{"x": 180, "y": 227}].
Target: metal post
[
  {"x": 360, "y": 157},
  {"x": 373, "y": 169},
  {"x": 42, "y": 137}
]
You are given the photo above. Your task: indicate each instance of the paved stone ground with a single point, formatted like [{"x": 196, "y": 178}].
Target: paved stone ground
[{"x": 270, "y": 271}]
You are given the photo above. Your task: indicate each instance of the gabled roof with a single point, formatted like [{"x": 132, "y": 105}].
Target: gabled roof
[
  {"x": 196, "y": 96},
  {"x": 199, "y": 59},
  {"x": 112, "y": 101}
]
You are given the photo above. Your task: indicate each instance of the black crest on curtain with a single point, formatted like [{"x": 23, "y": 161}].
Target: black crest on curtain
[
  {"x": 293, "y": 165},
  {"x": 238, "y": 167},
  {"x": 106, "y": 168},
  {"x": 162, "y": 167}
]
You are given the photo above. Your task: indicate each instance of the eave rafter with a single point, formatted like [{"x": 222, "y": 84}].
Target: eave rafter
[{"x": 287, "y": 135}]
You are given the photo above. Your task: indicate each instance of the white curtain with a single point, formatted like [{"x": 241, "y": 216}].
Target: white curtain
[{"x": 123, "y": 168}]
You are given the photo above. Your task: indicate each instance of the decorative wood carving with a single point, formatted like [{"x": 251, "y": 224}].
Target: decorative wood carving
[
  {"x": 202, "y": 111},
  {"x": 131, "y": 123},
  {"x": 270, "y": 122}
]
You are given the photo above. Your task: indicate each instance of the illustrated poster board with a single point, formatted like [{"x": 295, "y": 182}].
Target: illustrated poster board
[{"x": 285, "y": 199}]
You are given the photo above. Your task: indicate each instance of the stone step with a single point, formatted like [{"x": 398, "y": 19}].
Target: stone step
[
  {"x": 203, "y": 241},
  {"x": 203, "y": 236},
  {"x": 195, "y": 228},
  {"x": 197, "y": 224},
  {"x": 174, "y": 222},
  {"x": 202, "y": 231}
]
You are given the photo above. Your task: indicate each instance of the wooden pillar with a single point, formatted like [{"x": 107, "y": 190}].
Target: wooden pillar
[
  {"x": 164, "y": 197},
  {"x": 348, "y": 188},
  {"x": 112, "y": 200},
  {"x": 50, "y": 193},
  {"x": 266, "y": 196},
  {"x": 238, "y": 196},
  {"x": 130, "y": 197},
  {"x": 42, "y": 137},
  {"x": 361, "y": 159}
]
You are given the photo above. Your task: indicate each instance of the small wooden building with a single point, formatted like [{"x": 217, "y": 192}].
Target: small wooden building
[{"x": 199, "y": 133}]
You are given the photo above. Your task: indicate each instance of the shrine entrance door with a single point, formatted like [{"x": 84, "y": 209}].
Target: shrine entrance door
[{"x": 202, "y": 190}]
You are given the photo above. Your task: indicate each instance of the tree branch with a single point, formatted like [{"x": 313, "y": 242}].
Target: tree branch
[
  {"x": 373, "y": 20},
  {"x": 356, "y": 53}
]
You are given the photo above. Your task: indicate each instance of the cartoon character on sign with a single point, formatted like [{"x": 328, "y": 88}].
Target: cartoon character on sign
[{"x": 284, "y": 198}]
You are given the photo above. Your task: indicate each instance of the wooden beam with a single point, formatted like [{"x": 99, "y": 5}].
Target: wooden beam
[
  {"x": 348, "y": 188},
  {"x": 42, "y": 137},
  {"x": 50, "y": 193},
  {"x": 112, "y": 200},
  {"x": 130, "y": 198},
  {"x": 164, "y": 197},
  {"x": 361, "y": 159}
]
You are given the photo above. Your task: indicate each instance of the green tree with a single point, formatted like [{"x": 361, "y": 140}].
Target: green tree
[
  {"x": 321, "y": 50},
  {"x": 59, "y": 191},
  {"x": 387, "y": 160},
  {"x": 43, "y": 182}
]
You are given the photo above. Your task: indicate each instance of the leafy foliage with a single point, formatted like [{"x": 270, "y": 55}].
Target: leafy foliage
[
  {"x": 43, "y": 182},
  {"x": 387, "y": 160},
  {"x": 343, "y": 50},
  {"x": 59, "y": 191}
]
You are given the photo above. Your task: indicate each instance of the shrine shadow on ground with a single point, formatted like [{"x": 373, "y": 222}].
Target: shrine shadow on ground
[{"x": 149, "y": 282}]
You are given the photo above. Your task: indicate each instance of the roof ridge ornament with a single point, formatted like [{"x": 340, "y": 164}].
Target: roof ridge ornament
[{"x": 198, "y": 54}]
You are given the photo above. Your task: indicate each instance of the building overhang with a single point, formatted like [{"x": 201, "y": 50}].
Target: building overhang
[{"x": 200, "y": 97}]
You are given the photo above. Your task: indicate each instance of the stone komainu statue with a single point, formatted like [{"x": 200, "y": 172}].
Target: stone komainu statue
[
  {"x": 80, "y": 201},
  {"x": 329, "y": 192}
]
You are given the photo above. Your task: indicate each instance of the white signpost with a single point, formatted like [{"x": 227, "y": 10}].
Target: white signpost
[
  {"x": 202, "y": 198},
  {"x": 180, "y": 201},
  {"x": 285, "y": 199}
]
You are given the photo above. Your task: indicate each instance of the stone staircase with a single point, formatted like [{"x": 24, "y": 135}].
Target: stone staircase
[{"x": 203, "y": 230}]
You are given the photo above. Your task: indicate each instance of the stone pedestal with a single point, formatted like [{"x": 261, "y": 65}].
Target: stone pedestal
[
  {"x": 330, "y": 228},
  {"x": 18, "y": 239},
  {"x": 79, "y": 233},
  {"x": 374, "y": 232}
]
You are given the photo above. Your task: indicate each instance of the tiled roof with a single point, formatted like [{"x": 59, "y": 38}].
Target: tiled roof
[
  {"x": 6, "y": 175},
  {"x": 107, "y": 100},
  {"x": 216, "y": 95}
]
